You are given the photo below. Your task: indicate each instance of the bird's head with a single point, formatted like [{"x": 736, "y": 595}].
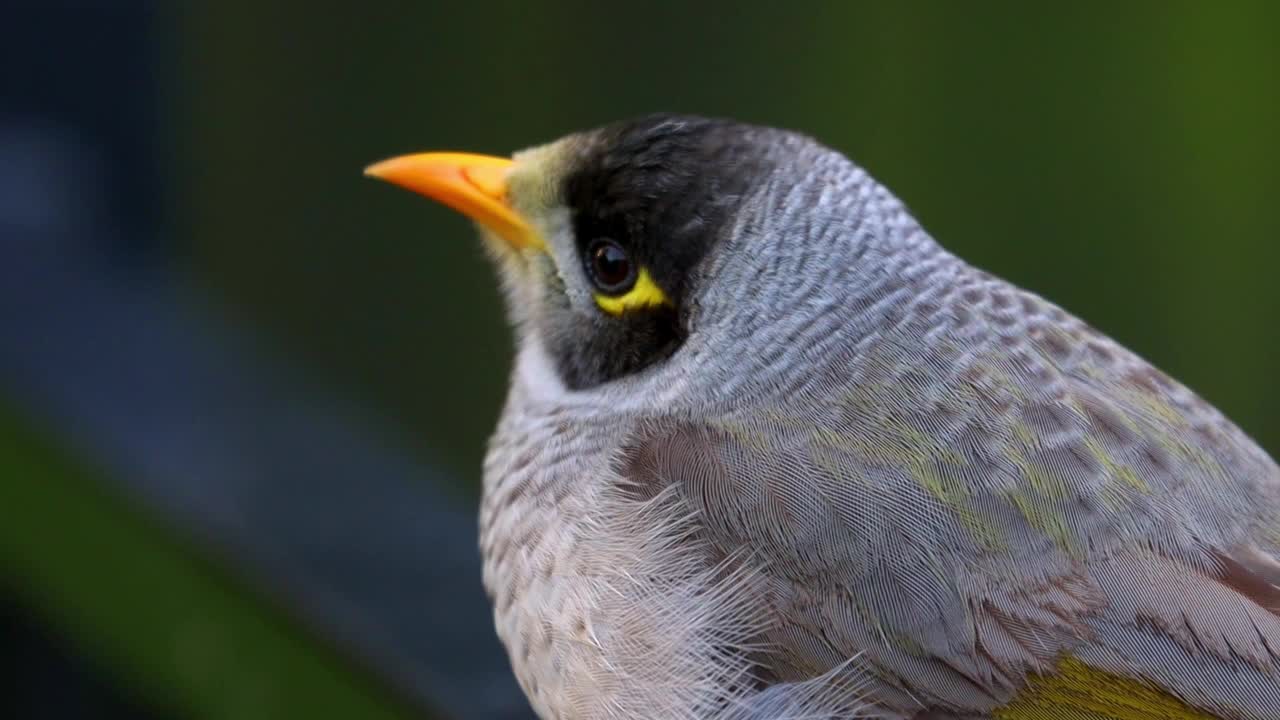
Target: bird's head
[{"x": 616, "y": 244}]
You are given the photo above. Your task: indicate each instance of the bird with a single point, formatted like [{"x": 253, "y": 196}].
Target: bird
[{"x": 770, "y": 452}]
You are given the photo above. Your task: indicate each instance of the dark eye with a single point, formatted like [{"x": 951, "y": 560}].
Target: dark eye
[{"x": 610, "y": 267}]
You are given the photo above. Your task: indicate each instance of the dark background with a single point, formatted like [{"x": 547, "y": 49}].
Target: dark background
[{"x": 244, "y": 391}]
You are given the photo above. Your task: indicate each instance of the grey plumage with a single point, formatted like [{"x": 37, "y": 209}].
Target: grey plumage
[{"x": 870, "y": 481}]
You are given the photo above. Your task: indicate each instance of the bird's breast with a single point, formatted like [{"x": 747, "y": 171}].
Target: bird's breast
[{"x": 607, "y": 606}]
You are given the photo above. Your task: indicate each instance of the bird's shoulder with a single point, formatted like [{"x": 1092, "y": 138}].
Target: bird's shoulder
[{"x": 967, "y": 512}]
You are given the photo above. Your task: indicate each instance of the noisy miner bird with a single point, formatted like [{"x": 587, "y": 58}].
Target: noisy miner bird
[{"x": 771, "y": 452}]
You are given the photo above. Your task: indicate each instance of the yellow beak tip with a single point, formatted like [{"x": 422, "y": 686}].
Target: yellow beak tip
[
  {"x": 379, "y": 169},
  {"x": 475, "y": 185}
]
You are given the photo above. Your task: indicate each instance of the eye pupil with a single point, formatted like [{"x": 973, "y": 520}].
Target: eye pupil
[{"x": 610, "y": 266}]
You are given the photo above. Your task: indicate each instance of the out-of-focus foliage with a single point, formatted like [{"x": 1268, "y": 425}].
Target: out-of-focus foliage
[{"x": 172, "y": 627}]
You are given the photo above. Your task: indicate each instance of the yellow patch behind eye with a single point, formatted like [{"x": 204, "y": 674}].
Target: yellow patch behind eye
[{"x": 645, "y": 293}]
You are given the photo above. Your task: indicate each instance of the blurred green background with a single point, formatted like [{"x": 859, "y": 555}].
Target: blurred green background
[{"x": 1122, "y": 160}]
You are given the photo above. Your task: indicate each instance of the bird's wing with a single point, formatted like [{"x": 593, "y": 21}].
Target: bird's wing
[{"x": 1000, "y": 533}]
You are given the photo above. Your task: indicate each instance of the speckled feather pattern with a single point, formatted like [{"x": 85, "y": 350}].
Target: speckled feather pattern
[{"x": 874, "y": 482}]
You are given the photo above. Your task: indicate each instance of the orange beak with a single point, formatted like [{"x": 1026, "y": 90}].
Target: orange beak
[{"x": 474, "y": 185}]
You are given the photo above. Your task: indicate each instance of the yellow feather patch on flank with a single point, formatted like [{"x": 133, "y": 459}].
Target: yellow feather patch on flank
[
  {"x": 1079, "y": 692},
  {"x": 894, "y": 442},
  {"x": 747, "y": 437},
  {"x": 1154, "y": 406},
  {"x": 1039, "y": 495},
  {"x": 1115, "y": 471},
  {"x": 645, "y": 293},
  {"x": 1271, "y": 530}
]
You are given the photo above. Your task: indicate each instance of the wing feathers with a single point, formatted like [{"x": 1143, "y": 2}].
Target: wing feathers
[
  {"x": 1076, "y": 691},
  {"x": 1254, "y": 574}
]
